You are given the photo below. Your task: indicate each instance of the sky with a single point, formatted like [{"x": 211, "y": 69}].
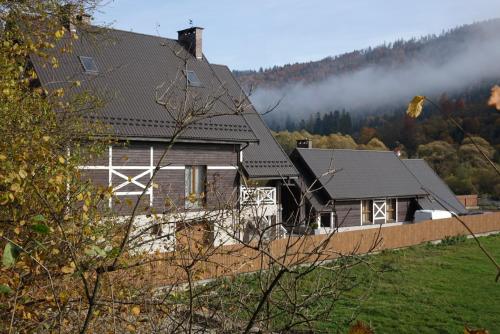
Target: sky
[{"x": 263, "y": 33}]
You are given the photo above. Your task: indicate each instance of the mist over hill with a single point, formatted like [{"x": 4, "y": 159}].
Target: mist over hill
[{"x": 382, "y": 78}]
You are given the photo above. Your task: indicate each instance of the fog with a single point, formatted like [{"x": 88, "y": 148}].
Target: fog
[{"x": 465, "y": 63}]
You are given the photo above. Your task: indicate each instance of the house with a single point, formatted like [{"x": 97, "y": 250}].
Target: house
[
  {"x": 147, "y": 84},
  {"x": 353, "y": 188}
]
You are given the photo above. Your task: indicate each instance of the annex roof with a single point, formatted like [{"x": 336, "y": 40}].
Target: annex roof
[
  {"x": 132, "y": 72},
  {"x": 356, "y": 174},
  {"x": 439, "y": 193}
]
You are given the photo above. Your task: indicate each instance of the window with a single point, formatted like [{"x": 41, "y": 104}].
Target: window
[
  {"x": 195, "y": 186},
  {"x": 391, "y": 210},
  {"x": 89, "y": 65},
  {"x": 366, "y": 212},
  {"x": 192, "y": 79},
  {"x": 325, "y": 220}
]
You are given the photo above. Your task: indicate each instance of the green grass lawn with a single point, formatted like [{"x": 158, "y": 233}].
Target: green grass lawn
[
  {"x": 421, "y": 289},
  {"x": 429, "y": 289}
]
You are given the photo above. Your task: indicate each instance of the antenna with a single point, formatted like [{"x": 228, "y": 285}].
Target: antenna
[{"x": 191, "y": 22}]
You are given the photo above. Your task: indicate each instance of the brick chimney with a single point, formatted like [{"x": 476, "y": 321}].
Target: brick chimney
[
  {"x": 191, "y": 40},
  {"x": 304, "y": 143},
  {"x": 71, "y": 17}
]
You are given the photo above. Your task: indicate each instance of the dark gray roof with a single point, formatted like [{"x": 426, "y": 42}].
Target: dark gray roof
[
  {"x": 265, "y": 159},
  {"x": 435, "y": 186},
  {"x": 359, "y": 174},
  {"x": 131, "y": 68}
]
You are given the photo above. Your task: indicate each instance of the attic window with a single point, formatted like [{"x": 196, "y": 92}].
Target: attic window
[
  {"x": 192, "y": 79},
  {"x": 89, "y": 65}
]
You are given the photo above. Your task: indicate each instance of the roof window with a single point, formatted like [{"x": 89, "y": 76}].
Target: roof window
[
  {"x": 192, "y": 79},
  {"x": 89, "y": 65}
]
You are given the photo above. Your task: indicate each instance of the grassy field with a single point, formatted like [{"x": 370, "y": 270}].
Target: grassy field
[
  {"x": 421, "y": 289},
  {"x": 430, "y": 289}
]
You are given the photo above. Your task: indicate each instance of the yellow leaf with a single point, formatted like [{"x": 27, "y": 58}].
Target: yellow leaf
[
  {"x": 79, "y": 197},
  {"x": 415, "y": 106},
  {"x": 15, "y": 187},
  {"x": 68, "y": 269},
  {"x": 17, "y": 230},
  {"x": 494, "y": 100},
  {"x": 3, "y": 157},
  {"x": 46, "y": 138},
  {"x": 136, "y": 310},
  {"x": 61, "y": 159},
  {"x": 23, "y": 174},
  {"x": 60, "y": 33}
]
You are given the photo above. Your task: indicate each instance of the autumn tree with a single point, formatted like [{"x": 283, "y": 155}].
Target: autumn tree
[{"x": 70, "y": 265}]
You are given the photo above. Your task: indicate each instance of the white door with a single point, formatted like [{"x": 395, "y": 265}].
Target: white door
[{"x": 379, "y": 212}]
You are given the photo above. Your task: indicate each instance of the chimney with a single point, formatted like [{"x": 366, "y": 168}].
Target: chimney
[
  {"x": 84, "y": 18},
  {"x": 191, "y": 39},
  {"x": 71, "y": 17},
  {"x": 304, "y": 143}
]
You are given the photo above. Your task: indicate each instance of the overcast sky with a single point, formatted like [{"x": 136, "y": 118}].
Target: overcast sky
[{"x": 263, "y": 33}]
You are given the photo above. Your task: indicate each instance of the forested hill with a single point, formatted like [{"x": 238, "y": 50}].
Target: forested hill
[
  {"x": 359, "y": 99},
  {"x": 436, "y": 47}
]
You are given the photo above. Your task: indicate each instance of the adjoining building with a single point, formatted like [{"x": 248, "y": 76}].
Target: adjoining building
[{"x": 353, "y": 188}]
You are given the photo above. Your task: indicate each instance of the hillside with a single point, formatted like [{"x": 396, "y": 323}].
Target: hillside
[
  {"x": 437, "y": 48},
  {"x": 364, "y": 94}
]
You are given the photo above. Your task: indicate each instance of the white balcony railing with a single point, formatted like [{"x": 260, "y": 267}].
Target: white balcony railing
[{"x": 258, "y": 195}]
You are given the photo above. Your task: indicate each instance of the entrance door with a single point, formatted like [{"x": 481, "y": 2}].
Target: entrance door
[{"x": 379, "y": 212}]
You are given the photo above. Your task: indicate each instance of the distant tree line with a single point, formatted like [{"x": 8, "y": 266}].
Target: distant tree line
[
  {"x": 322, "y": 124},
  {"x": 431, "y": 137},
  {"x": 438, "y": 47}
]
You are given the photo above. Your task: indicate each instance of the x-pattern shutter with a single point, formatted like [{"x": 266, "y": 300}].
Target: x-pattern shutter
[{"x": 379, "y": 211}]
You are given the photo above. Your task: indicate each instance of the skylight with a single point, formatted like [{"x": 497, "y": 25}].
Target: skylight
[
  {"x": 192, "y": 79},
  {"x": 89, "y": 65}
]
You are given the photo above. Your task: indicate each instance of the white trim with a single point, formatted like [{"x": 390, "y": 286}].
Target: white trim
[
  {"x": 379, "y": 209},
  {"x": 361, "y": 213},
  {"x": 151, "y": 167},
  {"x": 174, "y": 167},
  {"x": 128, "y": 167},
  {"x": 125, "y": 193},
  {"x": 110, "y": 174},
  {"x": 151, "y": 172},
  {"x": 222, "y": 167},
  {"x": 129, "y": 180}
]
